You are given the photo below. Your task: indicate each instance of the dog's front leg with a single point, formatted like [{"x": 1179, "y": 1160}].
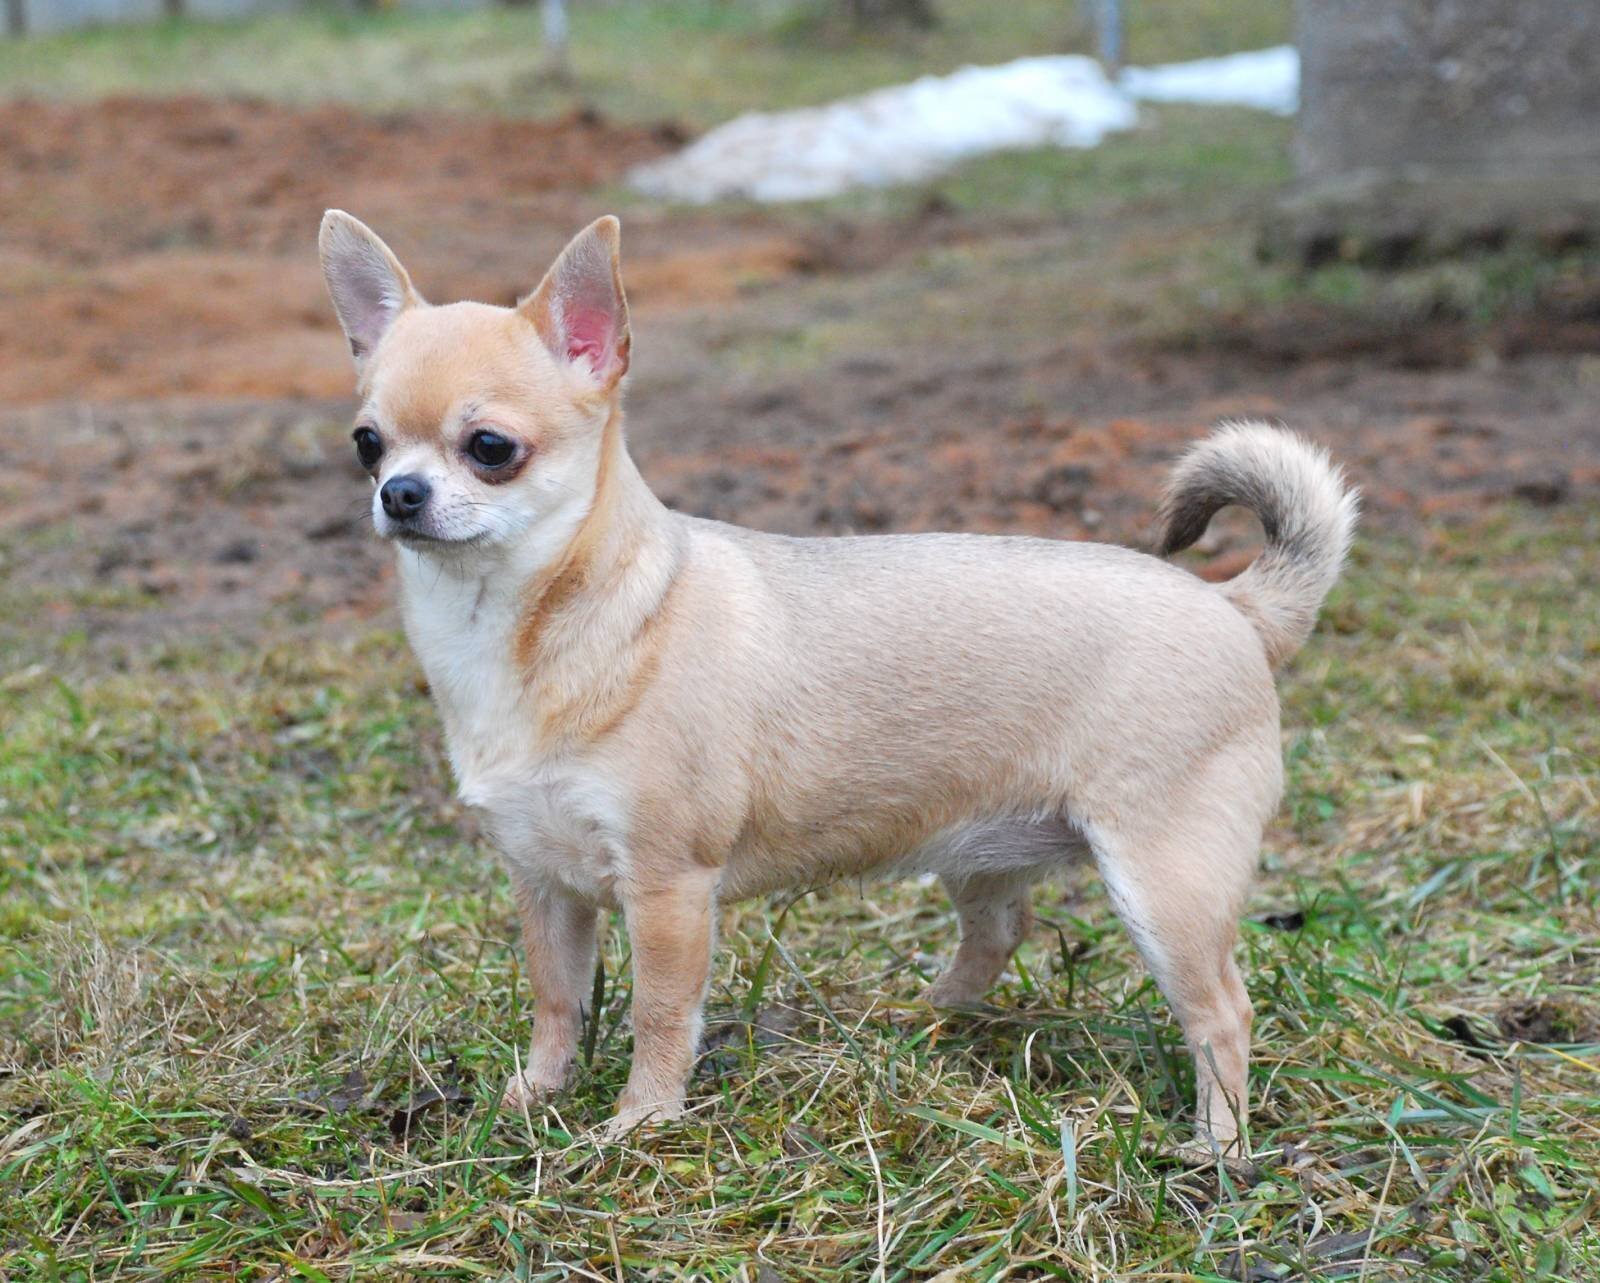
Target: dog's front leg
[
  {"x": 670, "y": 927},
  {"x": 558, "y": 942}
]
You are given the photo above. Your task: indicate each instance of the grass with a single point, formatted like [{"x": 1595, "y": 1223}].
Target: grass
[
  {"x": 258, "y": 993},
  {"x": 1474, "y": 288},
  {"x": 699, "y": 61},
  {"x": 258, "y": 990}
]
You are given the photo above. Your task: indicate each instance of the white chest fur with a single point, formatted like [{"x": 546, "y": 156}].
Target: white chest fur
[{"x": 554, "y": 815}]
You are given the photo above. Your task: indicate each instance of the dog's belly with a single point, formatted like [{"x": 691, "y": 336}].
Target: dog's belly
[
  {"x": 983, "y": 846},
  {"x": 994, "y": 846}
]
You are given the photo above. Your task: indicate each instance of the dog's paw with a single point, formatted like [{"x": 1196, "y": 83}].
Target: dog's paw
[
  {"x": 1203, "y": 1152},
  {"x": 954, "y": 993},
  {"x": 631, "y": 1116},
  {"x": 528, "y": 1090}
]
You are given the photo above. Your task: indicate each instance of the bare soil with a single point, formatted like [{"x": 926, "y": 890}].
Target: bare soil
[{"x": 173, "y": 390}]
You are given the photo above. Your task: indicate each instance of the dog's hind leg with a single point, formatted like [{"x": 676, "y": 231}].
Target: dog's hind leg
[
  {"x": 995, "y": 916},
  {"x": 1179, "y": 884}
]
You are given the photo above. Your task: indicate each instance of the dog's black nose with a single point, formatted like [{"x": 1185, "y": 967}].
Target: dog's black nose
[{"x": 403, "y": 496}]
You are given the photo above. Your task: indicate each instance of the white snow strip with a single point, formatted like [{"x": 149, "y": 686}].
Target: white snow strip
[
  {"x": 1268, "y": 79},
  {"x": 898, "y": 135},
  {"x": 911, "y": 132}
]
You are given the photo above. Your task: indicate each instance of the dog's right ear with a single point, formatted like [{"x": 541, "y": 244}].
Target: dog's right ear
[
  {"x": 580, "y": 310},
  {"x": 368, "y": 286}
]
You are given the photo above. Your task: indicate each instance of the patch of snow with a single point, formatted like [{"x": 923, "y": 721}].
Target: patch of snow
[
  {"x": 897, "y": 135},
  {"x": 911, "y": 132},
  {"x": 1268, "y": 79}
]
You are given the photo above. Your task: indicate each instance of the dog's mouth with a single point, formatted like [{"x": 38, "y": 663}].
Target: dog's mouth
[{"x": 425, "y": 539}]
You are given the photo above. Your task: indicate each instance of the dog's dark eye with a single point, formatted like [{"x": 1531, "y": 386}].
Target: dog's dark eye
[
  {"x": 490, "y": 449},
  {"x": 369, "y": 446}
]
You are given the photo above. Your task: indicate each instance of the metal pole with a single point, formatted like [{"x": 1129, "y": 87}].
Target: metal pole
[
  {"x": 553, "y": 16},
  {"x": 1108, "y": 23}
]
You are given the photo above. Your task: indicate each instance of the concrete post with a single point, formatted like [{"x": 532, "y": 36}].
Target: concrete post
[{"x": 1426, "y": 125}]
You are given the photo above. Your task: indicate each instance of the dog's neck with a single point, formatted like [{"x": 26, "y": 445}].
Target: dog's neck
[
  {"x": 619, "y": 539},
  {"x": 560, "y": 637}
]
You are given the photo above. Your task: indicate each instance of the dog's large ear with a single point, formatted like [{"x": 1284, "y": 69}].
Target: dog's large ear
[
  {"x": 368, "y": 286},
  {"x": 579, "y": 308}
]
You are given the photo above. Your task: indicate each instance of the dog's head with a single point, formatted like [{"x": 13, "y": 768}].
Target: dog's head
[{"x": 481, "y": 426}]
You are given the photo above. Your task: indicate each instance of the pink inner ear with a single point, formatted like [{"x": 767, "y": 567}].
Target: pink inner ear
[{"x": 591, "y": 335}]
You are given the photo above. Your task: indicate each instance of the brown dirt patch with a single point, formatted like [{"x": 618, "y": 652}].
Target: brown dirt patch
[
  {"x": 194, "y": 517},
  {"x": 162, "y": 248},
  {"x": 176, "y": 447},
  {"x": 120, "y": 177}
]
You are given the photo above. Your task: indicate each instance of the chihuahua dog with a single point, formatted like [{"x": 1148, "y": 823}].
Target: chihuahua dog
[{"x": 656, "y": 713}]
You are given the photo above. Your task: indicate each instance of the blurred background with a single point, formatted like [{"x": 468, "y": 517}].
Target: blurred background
[
  {"x": 894, "y": 265},
  {"x": 976, "y": 328}
]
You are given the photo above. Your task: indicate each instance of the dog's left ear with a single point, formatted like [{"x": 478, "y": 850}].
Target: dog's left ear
[
  {"x": 579, "y": 308},
  {"x": 368, "y": 286}
]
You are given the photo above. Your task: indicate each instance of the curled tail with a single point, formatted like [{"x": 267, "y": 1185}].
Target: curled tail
[{"x": 1305, "y": 507}]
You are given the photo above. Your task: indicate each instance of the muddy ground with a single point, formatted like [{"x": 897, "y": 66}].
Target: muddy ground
[{"x": 173, "y": 391}]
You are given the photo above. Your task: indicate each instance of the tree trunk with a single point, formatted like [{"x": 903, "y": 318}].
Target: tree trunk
[{"x": 16, "y": 18}]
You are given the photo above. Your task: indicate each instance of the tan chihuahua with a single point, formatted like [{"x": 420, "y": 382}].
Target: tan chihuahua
[{"x": 658, "y": 713}]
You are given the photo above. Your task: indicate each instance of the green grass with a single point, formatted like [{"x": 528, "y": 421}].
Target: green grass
[
  {"x": 232, "y": 879},
  {"x": 1177, "y": 160},
  {"x": 699, "y": 61},
  {"x": 244, "y": 930},
  {"x": 1476, "y": 288}
]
